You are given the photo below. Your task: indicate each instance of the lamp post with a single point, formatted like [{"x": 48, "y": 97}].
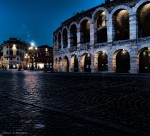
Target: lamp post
[
  {"x": 26, "y": 57},
  {"x": 14, "y": 49},
  {"x": 45, "y": 63},
  {"x": 32, "y": 50}
]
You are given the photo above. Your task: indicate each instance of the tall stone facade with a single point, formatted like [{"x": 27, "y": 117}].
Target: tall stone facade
[{"x": 112, "y": 37}]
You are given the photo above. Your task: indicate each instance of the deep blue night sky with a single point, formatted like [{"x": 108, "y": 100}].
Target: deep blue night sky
[{"x": 35, "y": 20}]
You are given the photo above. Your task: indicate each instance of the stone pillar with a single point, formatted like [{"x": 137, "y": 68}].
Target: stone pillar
[
  {"x": 62, "y": 64},
  {"x": 68, "y": 39},
  {"x": 110, "y": 30},
  {"x": 62, "y": 42},
  {"x": 110, "y": 64},
  {"x": 96, "y": 63},
  {"x": 58, "y": 66},
  {"x": 92, "y": 64},
  {"x": 133, "y": 26},
  {"x": 57, "y": 47},
  {"x": 133, "y": 62},
  {"x": 79, "y": 64},
  {"x": 78, "y": 36},
  {"x": 92, "y": 33},
  {"x": 54, "y": 65}
]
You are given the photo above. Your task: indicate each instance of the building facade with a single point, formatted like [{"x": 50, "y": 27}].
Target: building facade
[
  {"x": 12, "y": 53},
  {"x": 43, "y": 58},
  {"x": 113, "y": 37}
]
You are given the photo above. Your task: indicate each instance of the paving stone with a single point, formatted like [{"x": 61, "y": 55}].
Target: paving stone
[{"x": 74, "y": 104}]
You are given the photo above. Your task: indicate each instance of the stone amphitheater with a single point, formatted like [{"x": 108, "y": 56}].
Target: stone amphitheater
[{"x": 112, "y": 37}]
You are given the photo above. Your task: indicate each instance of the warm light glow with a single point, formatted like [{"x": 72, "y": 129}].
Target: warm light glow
[
  {"x": 46, "y": 49},
  {"x": 103, "y": 13},
  {"x": 123, "y": 51},
  {"x": 14, "y": 47},
  {"x": 41, "y": 65},
  {"x": 26, "y": 56},
  {"x": 30, "y": 48}
]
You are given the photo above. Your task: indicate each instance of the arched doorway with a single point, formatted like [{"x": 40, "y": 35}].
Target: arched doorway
[
  {"x": 144, "y": 60},
  {"x": 74, "y": 63},
  {"x": 87, "y": 63},
  {"x": 121, "y": 24},
  {"x": 66, "y": 64},
  {"x": 143, "y": 15},
  {"x": 85, "y": 31},
  {"x": 122, "y": 61},
  {"x": 100, "y": 27},
  {"x": 102, "y": 61}
]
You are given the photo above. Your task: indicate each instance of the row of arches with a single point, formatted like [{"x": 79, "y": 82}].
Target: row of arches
[
  {"x": 121, "y": 20},
  {"x": 121, "y": 62}
]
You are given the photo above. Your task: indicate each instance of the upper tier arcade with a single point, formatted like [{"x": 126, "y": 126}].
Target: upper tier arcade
[{"x": 112, "y": 27}]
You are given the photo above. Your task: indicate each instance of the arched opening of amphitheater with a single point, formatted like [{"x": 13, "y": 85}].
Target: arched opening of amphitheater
[
  {"x": 85, "y": 31},
  {"x": 73, "y": 36},
  {"x": 65, "y": 38},
  {"x": 59, "y": 40},
  {"x": 144, "y": 60},
  {"x": 143, "y": 14},
  {"x": 100, "y": 27},
  {"x": 66, "y": 64},
  {"x": 122, "y": 61},
  {"x": 102, "y": 61},
  {"x": 87, "y": 62},
  {"x": 121, "y": 24},
  {"x": 74, "y": 63}
]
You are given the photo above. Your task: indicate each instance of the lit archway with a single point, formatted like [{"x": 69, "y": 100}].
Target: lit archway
[
  {"x": 144, "y": 60},
  {"x": 66, "y": 64},
  {"x": 87, "y": 62},
  {"x": 100, "y": 27},
  {"x": 121, "y": 24},
  {"x": 143, "y": 15},
  {"x": 85, "y": 31},
  {"x": 102, "y": 61},
  {"x": 74, "y": 63},
  {"x": 122, "y": 61}
]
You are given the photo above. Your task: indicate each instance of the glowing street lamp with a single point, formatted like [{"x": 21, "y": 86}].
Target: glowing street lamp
[{"x": 32, "y": 49}]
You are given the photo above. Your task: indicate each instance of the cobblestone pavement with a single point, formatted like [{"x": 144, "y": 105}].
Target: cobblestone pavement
[{"x": 72, "y": 104}]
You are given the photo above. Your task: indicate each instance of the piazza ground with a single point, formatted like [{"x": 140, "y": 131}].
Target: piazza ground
[{"x": 74, "y": 104}]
